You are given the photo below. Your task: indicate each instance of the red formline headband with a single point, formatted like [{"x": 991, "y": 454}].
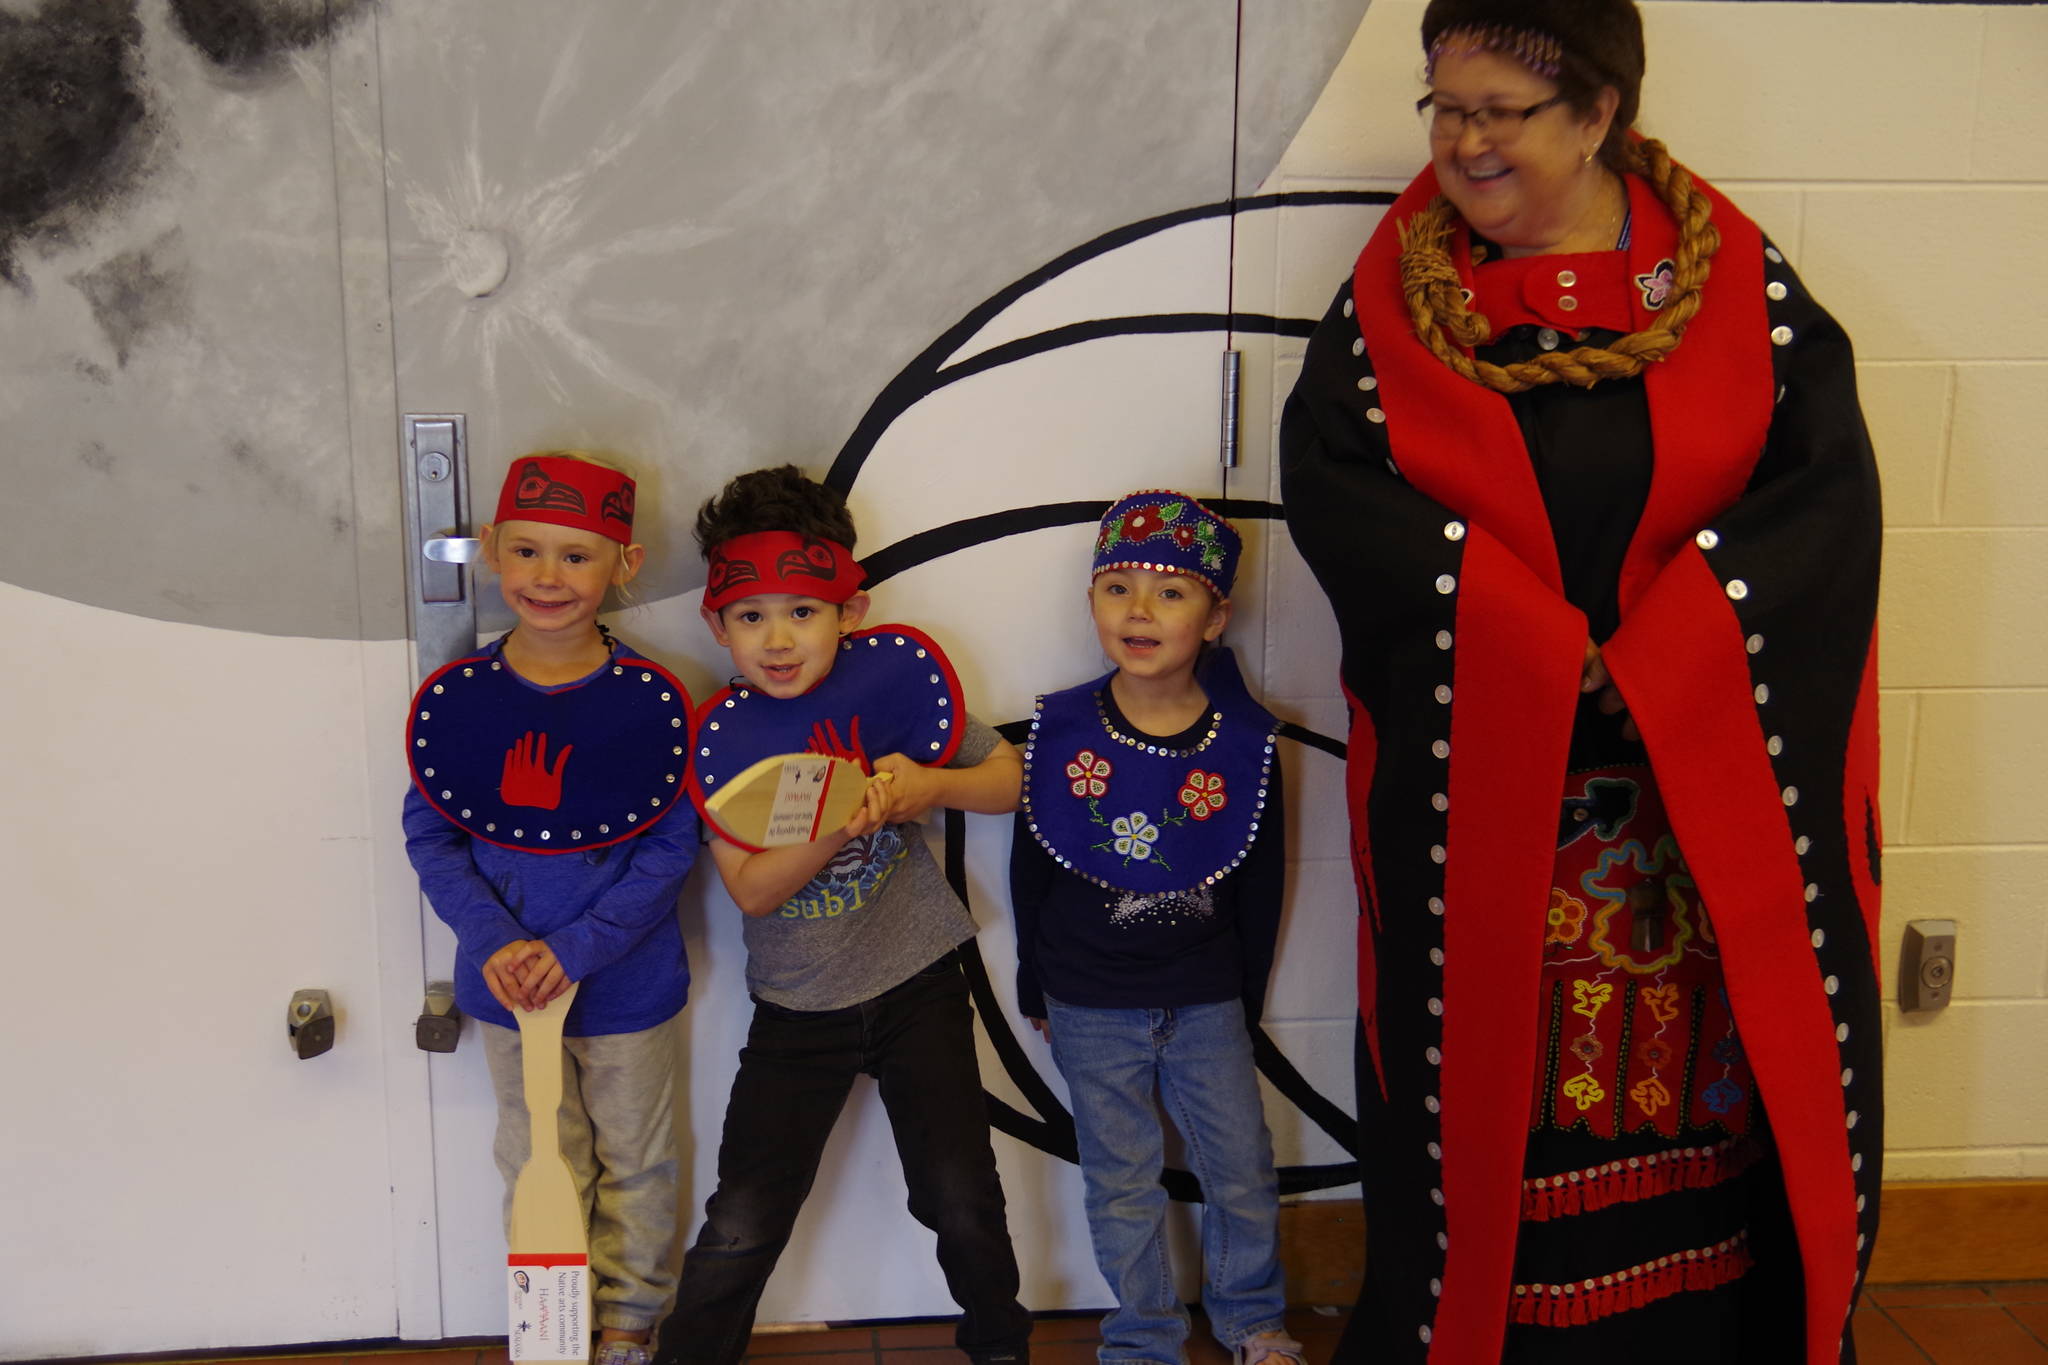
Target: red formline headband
[
  {"x": 781, "y": 561},
  {"x": 564, "y": 491}
]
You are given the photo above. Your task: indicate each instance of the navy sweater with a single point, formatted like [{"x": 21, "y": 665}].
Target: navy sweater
[{"x": 1087, "y": 945}]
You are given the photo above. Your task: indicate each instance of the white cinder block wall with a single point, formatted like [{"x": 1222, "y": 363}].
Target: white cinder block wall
[{"x": 1898, "y": 153}]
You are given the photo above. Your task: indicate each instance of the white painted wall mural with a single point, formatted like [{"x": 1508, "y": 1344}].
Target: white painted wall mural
[{"x": 977, "y": 265}]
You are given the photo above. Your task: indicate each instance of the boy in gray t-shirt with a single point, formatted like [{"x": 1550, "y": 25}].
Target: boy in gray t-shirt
[{"x": 851, "y": 939}]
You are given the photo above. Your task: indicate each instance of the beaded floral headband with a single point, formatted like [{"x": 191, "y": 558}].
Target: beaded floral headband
[{"x": 1168, "y": 532}]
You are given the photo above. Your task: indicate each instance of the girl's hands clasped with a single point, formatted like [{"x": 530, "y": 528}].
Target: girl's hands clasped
[{"x": 524, "y": 975}]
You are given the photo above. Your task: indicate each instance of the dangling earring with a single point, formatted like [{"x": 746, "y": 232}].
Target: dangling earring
[{"x": 1587, "y": 159}]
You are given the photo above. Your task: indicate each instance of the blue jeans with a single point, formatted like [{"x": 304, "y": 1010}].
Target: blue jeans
[{"x": 1197, "y": 1061}]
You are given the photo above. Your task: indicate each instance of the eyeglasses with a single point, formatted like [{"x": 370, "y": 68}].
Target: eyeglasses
[{"x": 1447, "y": 121}]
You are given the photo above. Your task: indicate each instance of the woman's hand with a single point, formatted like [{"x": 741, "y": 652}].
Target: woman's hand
[{"x": 1610, "y": 702}]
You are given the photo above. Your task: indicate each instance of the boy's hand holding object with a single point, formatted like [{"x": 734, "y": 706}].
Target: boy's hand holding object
[{"x": 790, "y": 799}]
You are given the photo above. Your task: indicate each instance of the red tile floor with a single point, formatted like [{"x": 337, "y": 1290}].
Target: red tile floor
[{"x": 1965, "y": 1324}]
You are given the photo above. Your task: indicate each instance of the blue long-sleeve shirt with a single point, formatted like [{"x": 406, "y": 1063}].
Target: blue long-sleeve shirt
[{"x": 608, "y": 914}]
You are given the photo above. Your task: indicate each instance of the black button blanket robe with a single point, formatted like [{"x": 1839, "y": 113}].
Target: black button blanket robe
[{"x": 1746, "y": 651}]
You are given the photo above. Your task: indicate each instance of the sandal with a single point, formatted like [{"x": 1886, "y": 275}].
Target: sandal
[{"x": 1264, "y": 1346}]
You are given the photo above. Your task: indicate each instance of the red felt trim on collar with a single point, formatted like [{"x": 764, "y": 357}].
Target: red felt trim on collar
[
  {"x": 1710, "y": 405},
  {"x": 1533, "y": 291},
  {"x": 1516, "y": 681},
  {"x": 1454, "y": 440},
  {"x": 423, "y": 696},
  {"x": 954, "y": 734},
  {"x": 1679, "y": 659}
]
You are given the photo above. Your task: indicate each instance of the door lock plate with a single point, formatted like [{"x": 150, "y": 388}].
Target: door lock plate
[{"x": 1927, "y": 964}]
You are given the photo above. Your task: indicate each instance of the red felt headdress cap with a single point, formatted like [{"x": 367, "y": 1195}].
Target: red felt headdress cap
[
  {"x": 565, "y": 491},
  {"x": 781, "y": 561}
]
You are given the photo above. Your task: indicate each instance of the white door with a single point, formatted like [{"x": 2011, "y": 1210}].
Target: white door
[{"x": 205, "y": 662}]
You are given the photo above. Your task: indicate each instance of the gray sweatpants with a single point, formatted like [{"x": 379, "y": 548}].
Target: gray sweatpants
[{"x": 618, "y": 1133}]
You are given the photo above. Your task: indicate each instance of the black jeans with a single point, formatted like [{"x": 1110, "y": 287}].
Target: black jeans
[{"x": 917, "y": 1041}]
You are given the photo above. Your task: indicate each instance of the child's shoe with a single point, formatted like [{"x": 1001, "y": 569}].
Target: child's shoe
[
  {"x": 622, "y": 1353},
  {"x": 1267, "y": 1346}
]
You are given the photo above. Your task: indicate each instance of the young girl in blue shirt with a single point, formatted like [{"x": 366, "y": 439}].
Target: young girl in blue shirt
[{"x": 1146, "y": 876}]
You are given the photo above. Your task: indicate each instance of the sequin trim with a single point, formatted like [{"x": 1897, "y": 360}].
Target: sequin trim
[
  {"x": 1633, "y": 1178},
  {"x": 1575, "y": 1305}
]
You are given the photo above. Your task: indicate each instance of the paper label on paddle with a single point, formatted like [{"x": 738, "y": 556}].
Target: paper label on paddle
[
  {"x": 799, "y": 796},
  {"x": 549, "y": 1298}
]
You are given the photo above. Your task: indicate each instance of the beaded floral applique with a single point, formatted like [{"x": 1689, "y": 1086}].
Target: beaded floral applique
[
  {"x": 1202, "y": 794},
  {"x": 1658, "y": 284},
  {"x": 1164, "y": 518},
  {"x": 1140, "y": 817},
  {"x": 1088, "y": 774}
]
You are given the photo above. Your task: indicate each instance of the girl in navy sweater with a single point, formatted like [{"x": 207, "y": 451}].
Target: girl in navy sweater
[{"x": 1146, "y": 876}]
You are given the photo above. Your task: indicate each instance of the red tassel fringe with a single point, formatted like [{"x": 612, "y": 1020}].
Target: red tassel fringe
[
  {"x": 1575, "y": 1305},
  {"x": 1644, "y": 1177}
]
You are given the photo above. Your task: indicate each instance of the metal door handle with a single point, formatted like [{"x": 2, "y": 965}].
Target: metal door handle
[{"x": 445, "y": 549}]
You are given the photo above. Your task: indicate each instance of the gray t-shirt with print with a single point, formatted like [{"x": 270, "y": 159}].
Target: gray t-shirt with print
[{"x": 880, "y": 912}]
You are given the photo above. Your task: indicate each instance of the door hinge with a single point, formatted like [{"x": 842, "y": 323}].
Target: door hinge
[{"x": 1233, "y": 365}]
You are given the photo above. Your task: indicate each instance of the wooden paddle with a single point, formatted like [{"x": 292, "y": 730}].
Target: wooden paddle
[
  {"x": 787, "y": 799},
  {"x": 547, "y": 1271}
]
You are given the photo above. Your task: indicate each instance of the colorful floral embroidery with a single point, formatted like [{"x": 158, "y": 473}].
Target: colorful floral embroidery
[
  {"x": 1650, "y": 1096},
  {"x": 1143, "y": 522},
  {"x": 1625, "y": 865},
  {"x": 1722, "y": 1096},
  {"x": 1657, "y": 285},
  {"x": 1202, "y": 793},
  {"x": 1584, "y": 1091},
  {"x": 1090, "y": 774},
  {"x": 1635, "y": 1004},
  {"x": 1164, "y": 518},
  {"x": 1135, "y": 835},
  {"x": 1567, "y": 918}
]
